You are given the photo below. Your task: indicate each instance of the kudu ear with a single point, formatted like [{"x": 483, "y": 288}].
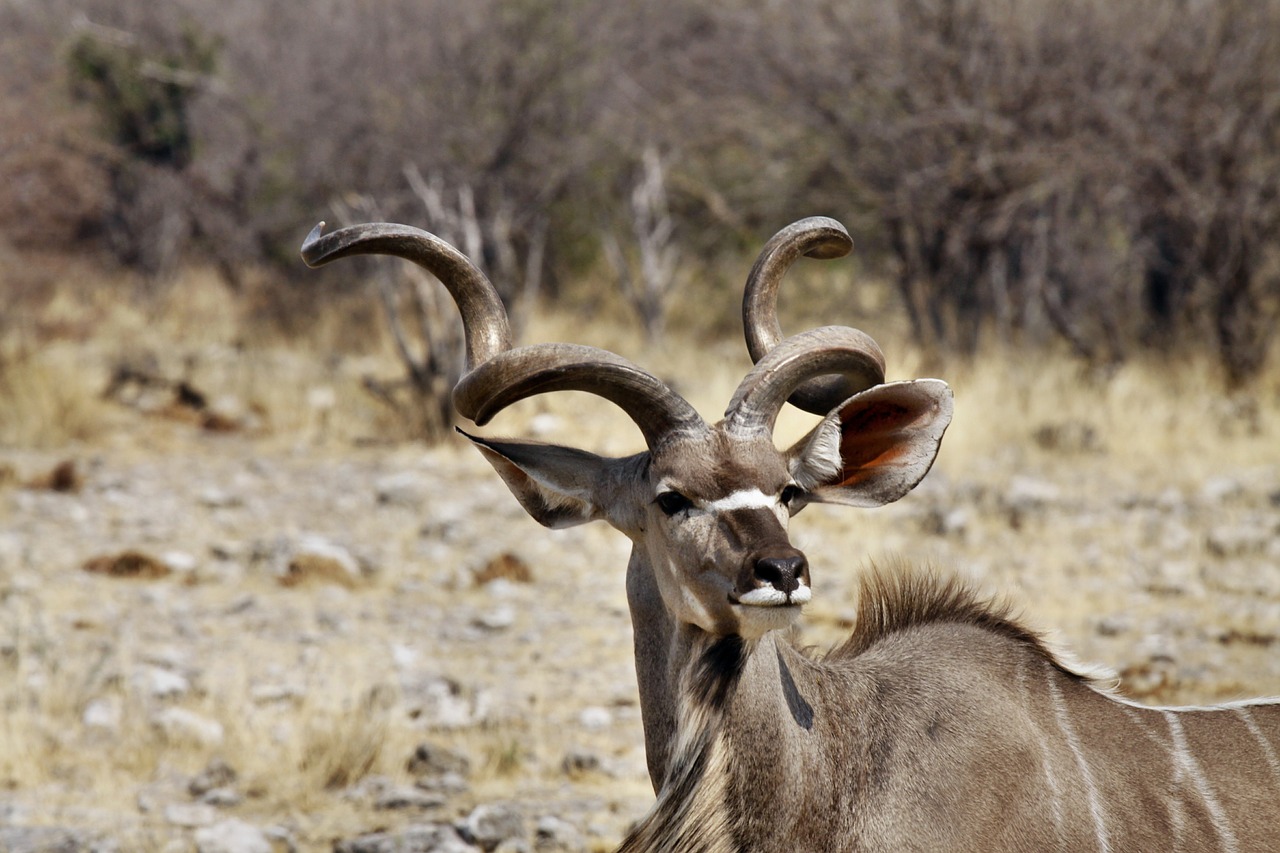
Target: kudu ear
[
  {"x": 556, "y": 485},
  {"x": 874, "y": 447}
]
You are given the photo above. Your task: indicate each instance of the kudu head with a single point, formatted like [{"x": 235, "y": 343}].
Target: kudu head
[{"x": 707, "y": 505}]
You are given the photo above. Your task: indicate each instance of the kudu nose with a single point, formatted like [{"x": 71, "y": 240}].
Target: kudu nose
[{"x": 782, "y": 573}]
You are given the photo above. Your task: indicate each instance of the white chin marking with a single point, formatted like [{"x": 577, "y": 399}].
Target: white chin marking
[
  {"x": 767, "y": 596},
  {"x": 755, "y": 622}
]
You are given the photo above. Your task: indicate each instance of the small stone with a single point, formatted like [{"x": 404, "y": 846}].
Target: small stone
[
  {"x": 490, "y": 824},
  {"x": 554, "y": 835},
  {"x": 64, "y": 477},
  {"x": 232, "y": 836},
  {"x": 190, "y": 815},
  {"x": 498, "y": 619},
  {"x": 408, "y": 798},
  {"x": 1112, "y": 626},
  {"x": 128, "y": 564},
  {"x": 1236, "y": 540},
  {"x": 266, "y": 694},
  {"x": 222, "y": 798},
  {"x": 40, "y": 839},
  {"x": 317, "y": 559},
  {"x": 513, "y": 845},
  {"x": 594, "y": 718},
  {"x": 180, "y": 562},
  {"x": 181, "y": 725},
  {"x": 1217, "y": 490},
  {"x": 216, "y": 498},
  {"x": 405, "y": 489},
  {"x": 160, "y": 683},
  {"x": 505, "y": 566},
  {"x": 447, "y": 783},
  {"x": 434, "y": 838},
  {"x": 1027, "y": 493},
  {"x": 545, "y": 423},
  {"x": 216, "y": 774},
  {"x": 579, "y": 762},
  {"x": 102, "y": 713},
  {"x": 430, "y": 759}
]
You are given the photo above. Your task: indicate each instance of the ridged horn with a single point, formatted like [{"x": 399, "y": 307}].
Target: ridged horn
[
  {"x": 484, "y": 318},
  {"x": 513, "y": 375},
  {"x": 839, "y": 350},
  {"x": 815, "y": 237},
  {"x": 497, "y": 375}
]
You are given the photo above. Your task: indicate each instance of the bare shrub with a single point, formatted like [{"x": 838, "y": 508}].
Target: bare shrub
[
  {"x": 1024, "y": 170},
  {"x": 1198, "y": 121},
  {"x": 53, "y": 190},
  {"x": 1098, "y": 173},
  {"x": 646, "y": 263}
]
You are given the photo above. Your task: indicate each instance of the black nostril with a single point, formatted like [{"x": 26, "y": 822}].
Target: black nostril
[{"x": 782, "y": 573}]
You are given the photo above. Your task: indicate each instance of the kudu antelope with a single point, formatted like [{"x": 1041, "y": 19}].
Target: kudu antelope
[{"x": 941, "y": 724}]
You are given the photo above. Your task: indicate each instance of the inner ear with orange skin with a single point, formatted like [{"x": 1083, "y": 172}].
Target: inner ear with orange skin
[
  {"x": 886, "y": 438},
  {"x": 874, "y": 436}
]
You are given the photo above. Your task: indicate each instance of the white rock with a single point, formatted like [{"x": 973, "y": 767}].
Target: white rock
[
  {"x": 491, "y": 824},
  {"x": 545, "y": 423},
  {"x": 318, "y": 546},
  {"x": 498, "y": 619},
  {"x": 321, "y": 398},
  {"x": 406, "y": 489},
  {"x": 403, "y": 656},
  {"x": 232, "y": 836},
  {"x": 1216, "y": 490},
  {"x": 179, "y": 562},
  {"x": 190, "y": 815},
  {"x": 1028, "y": 493},
  {"x": 102, "y": 713},
  {"x": 265, "y": 694},
  {"x": 554, "y": 834},
  {"x": 595, "y": 718},
  {"x": 216, "y": 498},
  {"x": 160, "y": 683},
  {"x": 180, "y": 724}
]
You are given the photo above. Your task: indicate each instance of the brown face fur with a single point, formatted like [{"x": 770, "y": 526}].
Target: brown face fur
[{"x": 715, "y": 515}]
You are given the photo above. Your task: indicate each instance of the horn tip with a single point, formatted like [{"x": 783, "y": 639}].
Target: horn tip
[
  {"x": 835, "y": 242},
  {"x": 310, "y": 255}
]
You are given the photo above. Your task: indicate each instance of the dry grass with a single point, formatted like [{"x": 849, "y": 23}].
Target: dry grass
[{"x": 1136, "y": 435}]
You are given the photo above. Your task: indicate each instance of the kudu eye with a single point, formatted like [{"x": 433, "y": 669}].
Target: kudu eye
[
  {"x": 789, "y": 494},
  {"x": 673, "y": 502}
]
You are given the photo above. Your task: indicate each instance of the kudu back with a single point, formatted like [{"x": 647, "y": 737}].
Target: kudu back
[{"x": 941, "y": 724}]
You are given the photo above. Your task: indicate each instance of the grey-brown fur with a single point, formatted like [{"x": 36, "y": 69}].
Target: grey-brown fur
[
  {"x": 932, "y": 729},
  {"x": 941, "y": 724}
]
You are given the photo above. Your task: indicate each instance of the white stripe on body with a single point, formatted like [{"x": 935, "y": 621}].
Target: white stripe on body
[
  {"x": 1177, "y": 817},
  {"x": 1073, "y": 741},
  {"x": 1267, "y": 749},
  {"x": 1046, "y": 760},
  {"x": 1188, "y": 763}
]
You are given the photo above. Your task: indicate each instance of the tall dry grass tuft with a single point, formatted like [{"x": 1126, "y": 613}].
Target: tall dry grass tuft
[
  {"x": 341, "y": 748},
  {"x": 51, "y": 398}
]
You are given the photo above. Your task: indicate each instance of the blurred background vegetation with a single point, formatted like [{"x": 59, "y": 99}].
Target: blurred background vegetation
[{"x": 1092, "y": 176}]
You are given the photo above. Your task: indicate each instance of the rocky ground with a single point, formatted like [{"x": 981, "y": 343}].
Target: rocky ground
[{"x": 220, "y": 643}]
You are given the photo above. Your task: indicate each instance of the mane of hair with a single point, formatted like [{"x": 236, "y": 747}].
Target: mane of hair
[{"x": 901, "y": 596}]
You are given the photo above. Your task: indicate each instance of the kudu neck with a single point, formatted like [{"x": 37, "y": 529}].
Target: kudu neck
[{"x": 689, "y": 678}]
